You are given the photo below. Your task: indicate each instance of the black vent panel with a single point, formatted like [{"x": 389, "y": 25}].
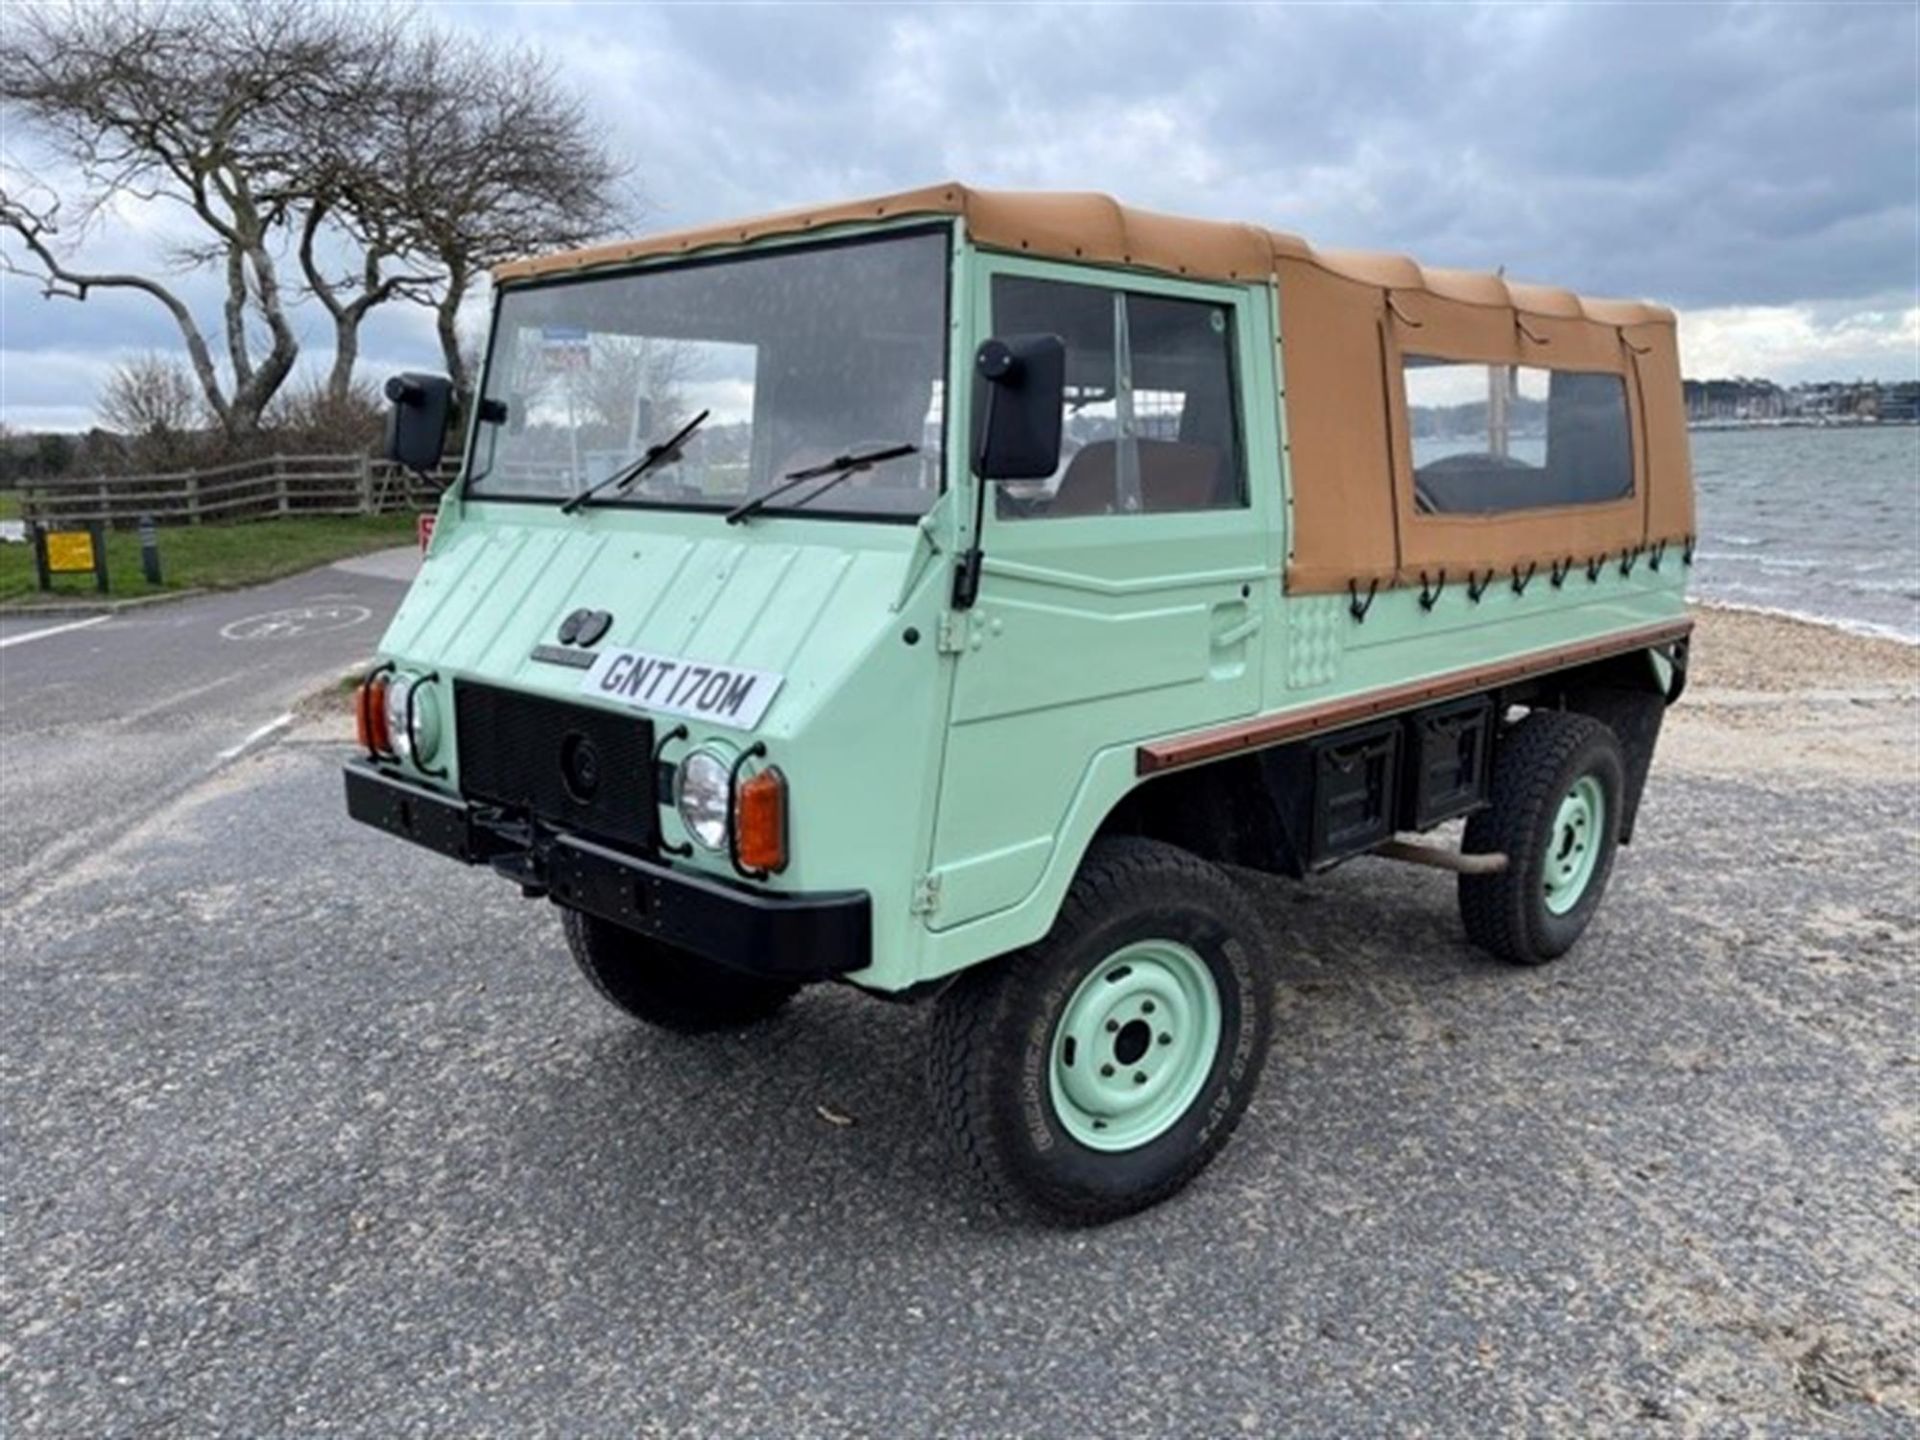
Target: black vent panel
[{"x": 580, "y": 769}]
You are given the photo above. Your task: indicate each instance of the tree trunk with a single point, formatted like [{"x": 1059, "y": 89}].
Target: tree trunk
[
  {"x": 236, "y": 313},
  {"x": 251, "y": 399},
  {"x": 446, "y": 314},
  {"x": 346, "y": 354}
]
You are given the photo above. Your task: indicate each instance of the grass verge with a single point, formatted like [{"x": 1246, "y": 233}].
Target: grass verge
[{"x": 211, "y": 556}]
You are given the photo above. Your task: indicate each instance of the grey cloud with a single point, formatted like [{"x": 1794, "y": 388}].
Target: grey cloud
[
  {"x": 1702, "y": 155},
  {"x": 1706, "y": 155}
]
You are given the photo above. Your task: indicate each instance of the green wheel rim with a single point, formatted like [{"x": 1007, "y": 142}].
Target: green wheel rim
[
  {"x": 1134, "y": 1045},
  {"x": 1573, "y": 847}
]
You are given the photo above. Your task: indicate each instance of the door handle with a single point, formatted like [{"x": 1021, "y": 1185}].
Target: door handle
[{"x": 1235, "y": 634}]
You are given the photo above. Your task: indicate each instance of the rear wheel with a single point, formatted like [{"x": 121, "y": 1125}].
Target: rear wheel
[
  {"x": 1555, "y": 812},
  {"x": 1097, "y": 1072},
  {"x": 666, "y": 986}
]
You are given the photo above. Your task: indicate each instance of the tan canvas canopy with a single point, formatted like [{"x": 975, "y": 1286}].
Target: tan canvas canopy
[{"x": 1346, "y": 321}]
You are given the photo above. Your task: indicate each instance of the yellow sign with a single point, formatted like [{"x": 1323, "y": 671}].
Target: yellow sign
[{"x": 69, "y": 551}]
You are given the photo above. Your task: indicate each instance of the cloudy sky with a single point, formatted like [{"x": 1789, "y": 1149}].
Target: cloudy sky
[{"x": 1756, "y": 166}]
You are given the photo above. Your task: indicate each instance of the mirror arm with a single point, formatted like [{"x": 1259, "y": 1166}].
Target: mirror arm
[
  {"x": 966, "y": 578},
  {"x": 966, "y": 570}
]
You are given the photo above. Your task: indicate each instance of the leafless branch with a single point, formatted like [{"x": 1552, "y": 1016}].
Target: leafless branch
[{"x": 392, "y": 159}]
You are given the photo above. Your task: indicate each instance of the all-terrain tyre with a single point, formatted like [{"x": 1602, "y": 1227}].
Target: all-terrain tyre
[
  {"x": 1096, "y": 1072},
  {"x": 666, "y": 986},
  {"x": 1556, "y": 811}
]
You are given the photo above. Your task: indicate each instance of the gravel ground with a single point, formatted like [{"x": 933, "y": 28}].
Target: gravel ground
[{"x": 305, "y": 1131}]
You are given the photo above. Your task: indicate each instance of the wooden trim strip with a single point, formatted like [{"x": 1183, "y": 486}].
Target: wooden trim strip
[{"x": 1158, "y": 755}]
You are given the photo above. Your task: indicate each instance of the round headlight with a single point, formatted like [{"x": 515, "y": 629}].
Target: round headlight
[
  {"x": 398, "y": 688},
  {"x": 418, "y": 742},
  {"x": 701, "y": 797}
]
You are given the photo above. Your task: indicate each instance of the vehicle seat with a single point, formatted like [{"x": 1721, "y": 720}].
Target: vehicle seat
[
  {"x": 1174, "y": 475},
  {"x": 1476, "y": 484}
]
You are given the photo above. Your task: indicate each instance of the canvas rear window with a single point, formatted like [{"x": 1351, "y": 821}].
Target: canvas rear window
[{"x": 1488, "y": 439}]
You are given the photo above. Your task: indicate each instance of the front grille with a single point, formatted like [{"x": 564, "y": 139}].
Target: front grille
[{"x": 580, "y": 769}]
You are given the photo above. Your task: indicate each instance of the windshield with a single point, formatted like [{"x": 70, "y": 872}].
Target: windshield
[{"x": 800, "y": 356}]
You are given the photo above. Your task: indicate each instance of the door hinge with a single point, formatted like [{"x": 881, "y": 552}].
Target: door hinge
[
  {"x": 950, "y": 637},
  {"x": 926, "y": 895}
]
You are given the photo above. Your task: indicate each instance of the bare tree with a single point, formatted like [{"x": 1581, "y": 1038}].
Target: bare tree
[
  {"x": 310, "y": 415},
  {"x": 634, "y": 388},
  {"x": 154, "y": 398},
  {"x": 181, "y": 106},
  {"x": 464, "y": 155},
  {"x": 397, "y": 161},
  {"x": 496, "y": 160},
  {"x": 355, "y": 246}
]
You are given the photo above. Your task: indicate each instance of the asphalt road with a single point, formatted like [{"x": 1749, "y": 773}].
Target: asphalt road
[
  {"x": 104, "y": 719},
  {"x": 308, "y": 1132}
]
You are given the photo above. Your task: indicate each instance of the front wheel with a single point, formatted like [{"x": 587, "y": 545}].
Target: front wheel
[
  {"x": 1555, "y": 812},
  {"x": 1098, "y": 1071},
  {"x": 665, "y": 986}
]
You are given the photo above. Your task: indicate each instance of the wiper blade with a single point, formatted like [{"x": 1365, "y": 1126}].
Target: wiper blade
[
  {"x": 668, "y": 449},
  {"x": 833, "y": 471}
]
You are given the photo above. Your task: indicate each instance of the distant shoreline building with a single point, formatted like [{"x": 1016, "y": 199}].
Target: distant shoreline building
[{"x": 1741, "y": 401}]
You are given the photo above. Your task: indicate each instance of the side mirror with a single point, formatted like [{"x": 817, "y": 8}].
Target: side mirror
[
  {"x": 1019, "y": 387},
  {"x": 417, "y": 423}
]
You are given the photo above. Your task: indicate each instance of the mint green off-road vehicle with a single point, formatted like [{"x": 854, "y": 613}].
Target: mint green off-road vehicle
[{"x": 938, "y": 593}]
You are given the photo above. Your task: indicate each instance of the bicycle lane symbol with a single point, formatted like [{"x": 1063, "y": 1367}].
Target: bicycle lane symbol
[{"x": 297, "y": 620}]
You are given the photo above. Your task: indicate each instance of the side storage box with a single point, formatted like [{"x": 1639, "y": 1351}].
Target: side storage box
[
  {"x": 1338, "y": 795},
  {"x": 1447, "y": 751}
]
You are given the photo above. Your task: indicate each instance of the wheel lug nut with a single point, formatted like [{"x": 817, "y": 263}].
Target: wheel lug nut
[
  {"x": 1112, "y": 1026},
  {"x": 1106, "y": 1070},
  {"x": 1165, "y": 1039},
  {"x": 1146, "y": 1007},
  {"x": 1139, "y": 1077}
]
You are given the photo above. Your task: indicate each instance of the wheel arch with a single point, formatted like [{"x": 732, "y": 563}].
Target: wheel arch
[{"x": 1629, "y": 694}]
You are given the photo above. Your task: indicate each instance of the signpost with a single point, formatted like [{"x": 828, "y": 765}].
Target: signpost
[
  {"x": 149, "y": 550},
  {"x": 74, "y": 550}
]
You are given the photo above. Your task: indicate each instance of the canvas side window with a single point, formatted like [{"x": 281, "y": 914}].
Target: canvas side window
[
  {"x": 1151, "y": 424},
  {"x": 1493, "y": 438}
]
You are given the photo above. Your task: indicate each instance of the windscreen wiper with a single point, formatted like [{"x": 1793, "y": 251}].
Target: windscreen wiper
[
  {"x": 656, "y": 454},
  {"x": 834, "y": 471}
]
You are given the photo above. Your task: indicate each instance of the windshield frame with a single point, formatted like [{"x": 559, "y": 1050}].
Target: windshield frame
[{"x": 943, "y": 226}]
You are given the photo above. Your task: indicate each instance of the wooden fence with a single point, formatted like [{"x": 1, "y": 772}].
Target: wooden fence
[{"x": 268, "y": 488}]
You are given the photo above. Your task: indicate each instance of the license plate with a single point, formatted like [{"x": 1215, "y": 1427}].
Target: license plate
[{"x": 671, "y": 685}]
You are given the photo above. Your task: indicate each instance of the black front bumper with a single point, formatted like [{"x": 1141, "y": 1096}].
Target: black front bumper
[{"x": 791, "y": 937}]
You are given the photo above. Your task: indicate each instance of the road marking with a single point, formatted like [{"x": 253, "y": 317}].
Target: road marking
[
  {"x": 54, "y": 630},
  {"x": 265, "y": 732},
  {"x": 296, "y": 620}
]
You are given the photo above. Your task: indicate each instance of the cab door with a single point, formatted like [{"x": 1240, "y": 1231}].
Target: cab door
[{"x": 1125, "y": 596}]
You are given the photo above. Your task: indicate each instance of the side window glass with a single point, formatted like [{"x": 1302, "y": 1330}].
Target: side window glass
[
  {"x": 1151, "y": 423},
  {"x": 1494, "y": 438}
]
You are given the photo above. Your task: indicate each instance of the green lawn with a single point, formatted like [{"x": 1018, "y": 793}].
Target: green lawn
[
  {"x": 212, "y": 556},
  {"x": 9, "y": 505}
]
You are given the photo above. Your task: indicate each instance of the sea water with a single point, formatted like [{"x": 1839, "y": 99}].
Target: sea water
[{"x": 1823, "y": 524}]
